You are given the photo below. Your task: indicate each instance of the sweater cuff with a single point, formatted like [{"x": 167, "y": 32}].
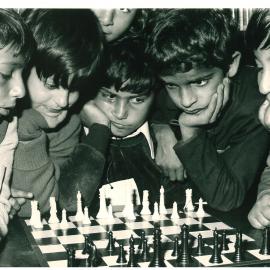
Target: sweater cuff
[
  {"x": 31, "y": 155},
  {"x": 98, "y": 137}
]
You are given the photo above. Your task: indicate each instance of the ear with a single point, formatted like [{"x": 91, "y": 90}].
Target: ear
[{"x": 234, "y": 65}]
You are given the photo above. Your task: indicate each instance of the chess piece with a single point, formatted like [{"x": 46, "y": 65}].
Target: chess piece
[
  {"x": 145, "y": 204},
  {"x": 162, "y": 208},
  {"x": 141, "y": 240},
  {"x": 157, "y": 259},
  {"x": 102, "y": 213},
  {"x": 184, "y": 257},
  {"x": 122, "y": 255},
  {"x": 238, "y": 254},
  {"x": 189, "y": 207},
  {"x": 224, "y": 243},
  {"x": 216, "y": 255},
  {"x": 200, "y": 247},
  {"x": 93, "y": 259},
  {"x": 35, "y": 219},
  {"x": 176, "y": 247},
  {"x": 156, "y": 215},
  {"x": 110, "y": 212},
  {"x": 111, "y": 247},
  {"x": 64, "y": 222},
  {"x": 145, "y": 255},
  {"x": 87, "y": 245},
  {"x": 130, "y": 215},
  {"x": 175, "y": 215},
  {"x": 79, "y": 214},
  {"x": 132, "y": 262},
  {"x": 200, "y": 212},
  {"x": 265, "y": 249},
  {"x": 86, "y": 220},
  {"x": 53, "y": 212},
  {"x": 70, "y": 257}
]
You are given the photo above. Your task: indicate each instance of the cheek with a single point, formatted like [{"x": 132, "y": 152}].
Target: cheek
[{"x": 73, "y": 97}]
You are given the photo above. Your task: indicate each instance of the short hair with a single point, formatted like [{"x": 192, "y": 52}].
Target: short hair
[
  {"x": 125, "y": 63},
  {"x": 15, "y": 33},
  {"x": 258, "y": 30},
  {"x": 183, "y": 39},
  {"x": 69, "y": 45}
]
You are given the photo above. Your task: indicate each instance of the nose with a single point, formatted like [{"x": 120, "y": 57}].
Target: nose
[
  {"x": 106, "y": 17},
  {"x": 17, "y": 86},
  {"x": 62, "y": 98},
  {"x": 187, "y": 97},
  {"x": 264, "y": 82},
  {"x": 120, "y": 110}
]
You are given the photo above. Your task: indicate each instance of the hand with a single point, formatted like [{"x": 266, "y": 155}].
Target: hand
[
  {"x": 166, "y": 158},
  {"x": 259, "y": 215},
  {"x": 3, "y": 221},
  {"x": 91, "y": 114},
  {"x": 17, "y": 199},
  {"x": 264, "y": 114},
  {"x": 191, "y": 123}
]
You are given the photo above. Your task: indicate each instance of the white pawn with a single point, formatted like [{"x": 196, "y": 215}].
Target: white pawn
[
  {"x": 79, "y": 214},
  {"x": 175, "y": 214},
  {"x": 53, "y": 212},
  {"x": 102, "y": 213},
  {"x": 162, "y": 208},
  {"x": 155, "y": 215},
  {"x": 86, "y": 219},
  {"x": 200, "y": 212},
  {"x": 64, "y": 222},
  {"x": 110, "y": 212},
  {"x": 145, "y": 204}
]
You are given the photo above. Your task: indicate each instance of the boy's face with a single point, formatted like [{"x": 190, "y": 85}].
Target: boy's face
[
  {"x": 192, "y": 91},
  {"x": 126, "y": 111},
  {"x": 262, "y": 59},
  {"x": 114, "y": 22},
  {"x": 11, "y": 82},
  {"x": 52, "y": 102}
]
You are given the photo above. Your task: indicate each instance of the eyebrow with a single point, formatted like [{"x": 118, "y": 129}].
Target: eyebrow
[{"x": 202, "y": 77}]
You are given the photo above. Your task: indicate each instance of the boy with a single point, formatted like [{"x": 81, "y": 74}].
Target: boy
[
  {"x": 223, "y": 146},
  {"x": 118, "y": 145},
  {"x": 16, "y": 48},
  {"x": 257, "y": 39},
  {"x": 69, "y": 48}
]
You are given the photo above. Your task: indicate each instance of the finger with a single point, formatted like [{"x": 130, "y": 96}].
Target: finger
[
  {"x": 267, "y": 117},
  {"x": 3, "y": 227},
  {"x": 4, "y": 201},
  {"x": 21, "y": 201},
  {"x": 20, "y": 193},
  {"x": 262, "y": 220},
  {"x": 226, "y": 83},
  {"x": 172, "y": 175},
  {"x": 208, "y": 113},
  {"x": 179, "y": 175},
  {"x": 219, "y": 103},
  {"x": 3, "y": 214},
  {"x": 262, "y": 109}
]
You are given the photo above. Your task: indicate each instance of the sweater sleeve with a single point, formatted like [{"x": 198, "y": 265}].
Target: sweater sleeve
[
  {"x": 224, "y": 178},
  {"x": 264, "y": 185},
  {"x": 84, "y": 170}
]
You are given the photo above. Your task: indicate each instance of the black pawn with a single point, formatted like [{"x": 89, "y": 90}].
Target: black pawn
[
  {"x": 141, "y": 240},
  {"x": 122, "y": 255},
  {"x": 111, "y": 247},
  {"x": 265, "y": 243},
  {"x": 176, "y": 247},
  {"x": 184, "y": 256},
  {"x": 145, "y": 255},
  {"x": 132, "y": 257},
  {"x": 200, "y": 247},
  {"x": 70, "y": 257},
  {"x": 87, "y": 246},
  {"x": 238, "y": 254},
  {"x": 157, "y": 259},
  {"x": 224, "y": 242},
  {"x": 216, "y": 256}
]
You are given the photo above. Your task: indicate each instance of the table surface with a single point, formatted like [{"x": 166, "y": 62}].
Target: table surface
[{"x": 16, "y": 251}]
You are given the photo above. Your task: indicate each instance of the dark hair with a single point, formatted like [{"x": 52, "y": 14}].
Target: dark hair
[
  {"x": 69, "y": 45},
  {"x": 258, "y": 30},
  {"x": 183, "y": 39},
  {"x": 125, "y": 62},
  {"x": 15, "y": 33}
]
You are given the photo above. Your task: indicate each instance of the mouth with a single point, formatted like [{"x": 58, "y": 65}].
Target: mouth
[
  {"x": 197, "y": 111},
  {"x": 120, "y": 126}
]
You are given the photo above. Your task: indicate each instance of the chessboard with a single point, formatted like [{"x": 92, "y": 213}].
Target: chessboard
[{"x": 52, "y": 241}]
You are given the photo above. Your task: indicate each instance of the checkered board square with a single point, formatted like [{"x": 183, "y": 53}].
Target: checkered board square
[{"x": 52, "y": 241}]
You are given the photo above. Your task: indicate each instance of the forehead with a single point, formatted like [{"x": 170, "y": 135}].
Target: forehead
[
  {"x": 191, "y": 75},
  {"x": 120, "y": 94},
  {"x": 7, "y": 57}
]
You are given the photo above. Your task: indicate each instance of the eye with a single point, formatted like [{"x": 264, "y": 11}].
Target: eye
[
  {"x": 50, "y": 86},
  {"x": 5, "y": 77},
  {"x": 125, "y": 10},
  {"x": 200, "y": 83},
  {"x": 138, "y": 100},
  {"x": 171, "y": 86},
  {"x": 108, "y": 96}
]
